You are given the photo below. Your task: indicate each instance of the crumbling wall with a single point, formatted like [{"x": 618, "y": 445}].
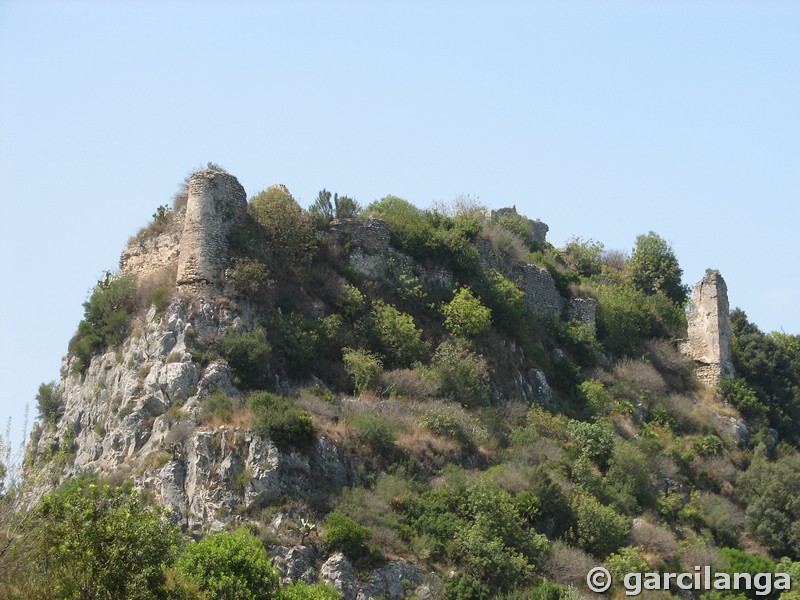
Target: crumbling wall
[
  {"x": 541, "y": 295},
  {"x": 217, "y": 203},
  {"x": 538, "y": 229},
  {"x": 709, "y": 330}
]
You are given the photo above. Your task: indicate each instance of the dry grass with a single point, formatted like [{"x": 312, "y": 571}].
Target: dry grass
[
  {"x": 568, "y": 566},
  {"x": 641, "y": 374},
  {"x": 655, "y": 540},
  {"x": 505, "y": 241},
  {"x": 406, "y": 383}
]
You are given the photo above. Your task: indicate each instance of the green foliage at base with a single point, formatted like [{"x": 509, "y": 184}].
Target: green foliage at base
[
  {"x": 275, "y": 418},
  {"x": 233, "y": 566},
  {"x": 343, "y": 534},
  {"x": 248, "y": 354},
  {"x": 93, "y": 540}
]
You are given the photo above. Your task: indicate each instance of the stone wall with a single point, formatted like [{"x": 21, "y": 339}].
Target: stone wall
[
  {"x": 217, "y": 203},
  {"x": 584, "y": 310},
  {"x": 538, "y": 229},
  {"x": 147, "y": 255},
  {"x": 541, "y": 295},
  {"x": 370, "y": 234},
  {"x": 709, "y": 330}
]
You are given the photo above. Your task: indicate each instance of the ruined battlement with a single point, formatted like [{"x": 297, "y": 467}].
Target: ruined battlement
[
  {"x": 217, "y": 203},
  {"x": 709, "y": 330}
]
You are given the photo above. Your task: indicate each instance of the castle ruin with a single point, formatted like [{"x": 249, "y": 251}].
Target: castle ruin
[
  {"x": 709, "y": 330},
  {"x": 216, "y": 205}
]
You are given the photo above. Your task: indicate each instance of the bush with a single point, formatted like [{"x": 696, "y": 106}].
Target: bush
[
  {"x": 410, "y": 230},
  {"x": 463, "y": 586},
  {"x": 343, "y": 534},
  {"x": 770, "y": 491},
  {"x": 462, "y": 375},
  {"x": 248, "y": 354},
  {"x": 288, "y": 229},
  {"x": 464, "y": 315},
  {"x": 233, "y": 566},
  {"x": 585, "y": 256},
  {"x": 507, "y": 303},
  {"x": 600, "y": 530},
  {"x": 374, "y": 431},
  {"x": 93, "y": 540},
  {"x": 106, "y": 318},
  {"x": 592, "y": 440},
  {"x": 217, "y": 406},
  {"x": 250, "y": 277},
  {"x": 363, "y": 366},
  {"x": 654, "y": 268},
  {"x": 274, "y": 417},
  {"x": 48, "y": 401},
  {"x": 310, "y": 591},
  {"x": 398, "y": 336}
]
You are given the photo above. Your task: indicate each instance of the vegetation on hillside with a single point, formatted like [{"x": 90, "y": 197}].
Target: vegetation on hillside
[{"x": 626, "y": 462}]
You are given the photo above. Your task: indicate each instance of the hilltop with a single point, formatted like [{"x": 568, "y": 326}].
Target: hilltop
[{"x": 417, "y": 403}]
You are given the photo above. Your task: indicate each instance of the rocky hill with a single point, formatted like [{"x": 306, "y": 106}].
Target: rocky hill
[{"x": 446, "y": 379}]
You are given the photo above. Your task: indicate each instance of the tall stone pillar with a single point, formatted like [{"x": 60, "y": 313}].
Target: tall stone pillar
[
  {"x": 217, "y": 203},
  {"x": 709, "y": 329}
]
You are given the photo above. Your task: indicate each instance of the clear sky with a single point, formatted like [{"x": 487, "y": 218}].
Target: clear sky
[{"x": 604, "y": 119}]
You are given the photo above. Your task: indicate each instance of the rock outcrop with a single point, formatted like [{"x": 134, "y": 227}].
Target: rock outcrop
[{"x": 709, "y": 330}]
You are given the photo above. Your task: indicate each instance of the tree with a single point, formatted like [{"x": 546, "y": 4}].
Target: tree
[
  {"x": 230, "y": 566},
  {"x": 93, "y": 540},
  {"x": 288, "y": 229},
  {"x": 654, "y": 267},
  {"x": 464, "y": 315},
  {"x": 323, "y": 211},
  {"x": 398, "y": 336}
]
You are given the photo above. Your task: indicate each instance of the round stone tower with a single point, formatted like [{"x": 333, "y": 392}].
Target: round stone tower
[{"x": 217, "y": 204}]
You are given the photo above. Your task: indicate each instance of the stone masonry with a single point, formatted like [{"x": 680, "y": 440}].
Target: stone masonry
[
  {"x": 217, "y": 203},
  {"x": 709, "y": 330}
]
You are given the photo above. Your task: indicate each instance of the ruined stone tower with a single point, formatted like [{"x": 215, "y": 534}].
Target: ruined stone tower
[
  {"x": 217, "y": 203},
  {"x": 709, "y": 331}
]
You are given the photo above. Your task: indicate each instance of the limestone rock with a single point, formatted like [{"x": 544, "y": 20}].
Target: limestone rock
[{"x": 338, "y": 572}]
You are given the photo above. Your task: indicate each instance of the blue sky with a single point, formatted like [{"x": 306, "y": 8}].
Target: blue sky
[{"x": 604, "y": 119}]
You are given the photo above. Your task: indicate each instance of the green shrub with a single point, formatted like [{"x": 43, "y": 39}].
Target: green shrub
[
  {"x": 462, "y": 375},
  {"x": 217, "y": 405},
  {"x": 343, "y": 534},
  {"x": 399, "y": 338},
  {"x": 375, "y": 431},
  {"x": 363, "y": 366},
  {"x": 310, "y": 591},
  {"x": 250, "y": 276},
  {"x": 248, "y": 354},
  {"x": 623, "y": 561},
  {"x": 600, "y": 530},
  {"x": 463, "y": 586},
  {"x": 654, "y": 268},
  {"x": 597, "y": 398},
  {"x": 743, "y": 397},
  {"x": 445, "y": 424},
  {"x": 48, "y": 401},
  {"x": 628, "y": 476},
  {"x": 323, "y": 211},
  {"x": 410, "y": 230},
  {"x": 274, "y": 417},
  {"x": 585, "y": 256},
  {"x": 160, "y": 297},
  {"x": 233, "y": 566},
  {"x": 709, "y": 445},
  {"x": 288, "y": 229},
  {"x": 592, "y": 440},
  {"x": 93, "y": 540},
  {"x": 106, "y": 318},
  {"x": 507, "y": 303},
  {"x": 464, "y": 315}
]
